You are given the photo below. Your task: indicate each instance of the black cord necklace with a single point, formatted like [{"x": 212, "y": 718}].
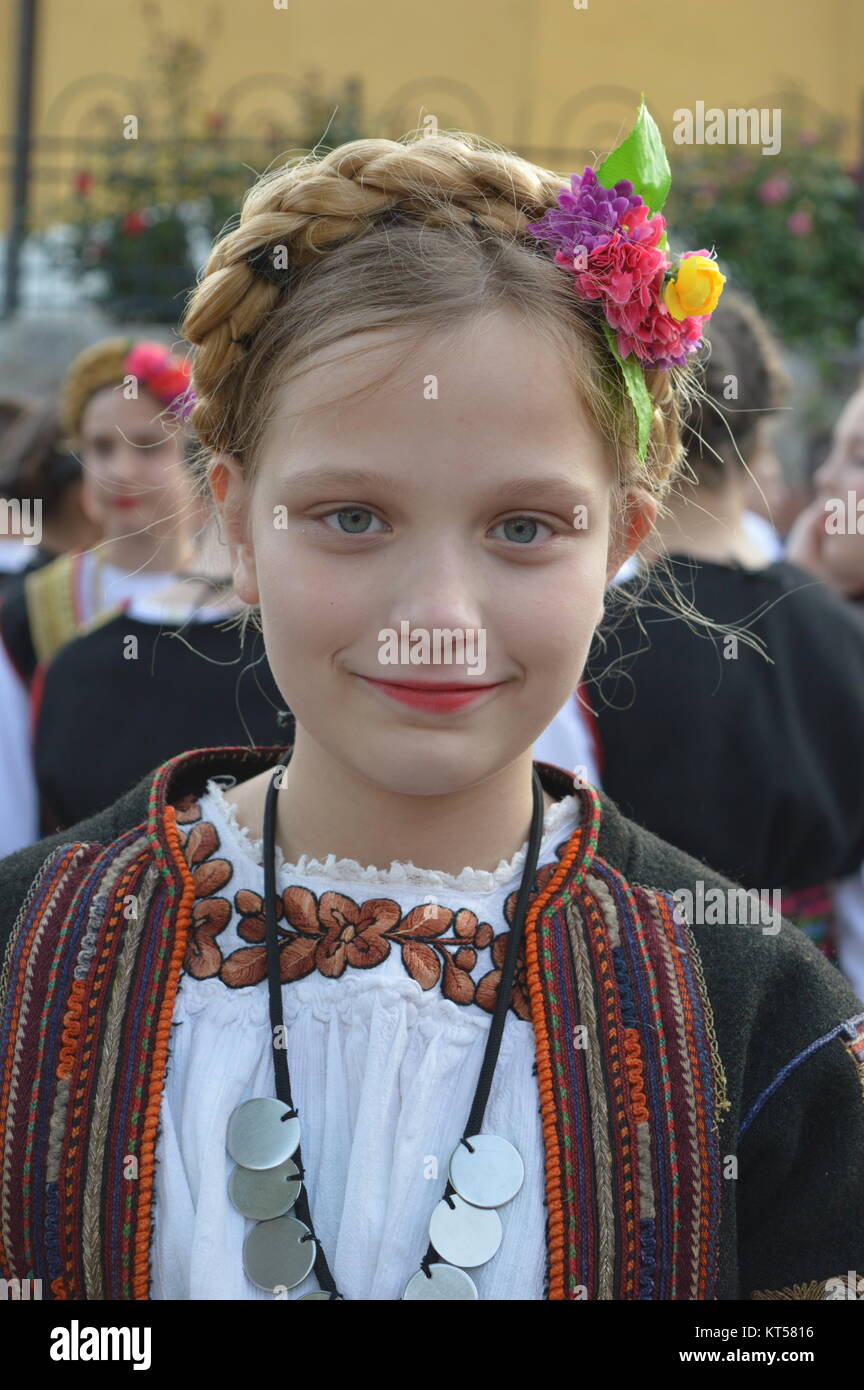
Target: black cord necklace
[{"x": 263, "y": 1138}]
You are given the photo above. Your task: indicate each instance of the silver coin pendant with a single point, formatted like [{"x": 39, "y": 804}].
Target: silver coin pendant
[
  {"x": 259, "y": 1136},
  {"x": 444, "y": 1282},
  {"x": 489, "y": 1176},
  {"x": 265, "y": 1193},
  {"x": 464, "y": 1235},
  {"x": 275, "y": 1255}
]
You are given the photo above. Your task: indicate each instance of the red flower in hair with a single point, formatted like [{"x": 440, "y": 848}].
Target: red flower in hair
[
  {"x": 166, "y": 376},
  {"x": 132, "y": 224},
  {"x": 626, "y": 276}
]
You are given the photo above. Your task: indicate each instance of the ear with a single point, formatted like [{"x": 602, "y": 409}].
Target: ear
[
  {"x": 229, "y": 488},
  {"x": 630, "y": 528}
]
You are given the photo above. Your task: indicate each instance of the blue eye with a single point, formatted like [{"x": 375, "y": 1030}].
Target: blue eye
[
  {"x": 355, "y": 517},
  {"x": 525, "y": 528}
]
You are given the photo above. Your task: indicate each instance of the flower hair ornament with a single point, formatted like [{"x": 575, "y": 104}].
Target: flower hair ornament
[
  {"x": 609, "y": 234},
  {"x": 165, "y": 376}
]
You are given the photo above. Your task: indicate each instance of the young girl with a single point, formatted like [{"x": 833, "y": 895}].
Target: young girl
[
  {"x": 122, "y": 410},
  {"x": 395, "y": 1013},
  {"x": 171, "y": 667}
]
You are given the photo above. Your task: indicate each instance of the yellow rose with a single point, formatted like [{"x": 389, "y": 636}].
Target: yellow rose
[{"x": 696, "y": 288}]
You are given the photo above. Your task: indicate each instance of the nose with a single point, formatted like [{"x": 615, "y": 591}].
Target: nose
[
  {"x": 440, "y": 587},
  {"x": 126, "y": 464}
]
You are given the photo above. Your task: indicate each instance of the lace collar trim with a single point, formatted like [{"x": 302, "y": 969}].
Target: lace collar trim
[{"x": 565, "y": 813}]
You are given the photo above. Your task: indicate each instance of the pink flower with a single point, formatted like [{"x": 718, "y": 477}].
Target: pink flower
[
  {"x": 640, "y": 227},
  {"x": 799, "y": 223},
  {"x": 774, "y": 190},
  {"x": 166, "y": 376},
  {"x": 144, "y": 358},
  {"x": 659, "y": 340},
  {"x": 626, "y": 276}
]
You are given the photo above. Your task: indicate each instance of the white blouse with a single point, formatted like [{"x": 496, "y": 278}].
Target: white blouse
[{"x": 383, "y": 1072}]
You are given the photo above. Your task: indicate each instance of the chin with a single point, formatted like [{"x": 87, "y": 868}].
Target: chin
[{"x": 410, "y": 768}]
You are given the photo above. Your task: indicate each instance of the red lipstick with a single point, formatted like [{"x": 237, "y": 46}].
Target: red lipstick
[{"x": 437, "y": 699}]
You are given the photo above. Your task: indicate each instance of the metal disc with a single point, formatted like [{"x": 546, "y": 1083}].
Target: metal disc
[
  {"x": 273, "y": 1256},
  {"x": 465, "y": 1235},
  {"x": 258, "y": 1137},
  {"x": 491, "y": 1175},
  {"x": 317, "y": 1293},
  {"x": 265, "y": 1193},
  {"x": 447, "y": 1282}
]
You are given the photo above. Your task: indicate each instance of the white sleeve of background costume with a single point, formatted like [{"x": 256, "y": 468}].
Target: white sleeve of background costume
[
  {"x": 567, "y": 743},
  {"x": 19, "y": 799},
  {"x": 849, "y": 919}
]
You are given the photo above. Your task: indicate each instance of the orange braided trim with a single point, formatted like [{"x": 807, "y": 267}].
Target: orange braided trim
[
  {"x": 554, "y": 1204},
  {"x": 633, "y": 1067},
  {"x": 58, "y": 1288},
  {"x": 141, "y": 1255},
  {"x": 71, "y": 1031}
]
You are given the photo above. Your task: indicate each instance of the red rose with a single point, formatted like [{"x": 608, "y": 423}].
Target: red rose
[{"x": 132, "y": 224}]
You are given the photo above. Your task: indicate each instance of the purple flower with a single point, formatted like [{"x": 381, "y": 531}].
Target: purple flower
[{"x": 587, "y": 214}]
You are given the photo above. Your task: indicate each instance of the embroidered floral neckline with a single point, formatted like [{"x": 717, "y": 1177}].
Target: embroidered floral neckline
[
  {"x": 329, "y": 931},
  {"x": 351, "y": 871}
]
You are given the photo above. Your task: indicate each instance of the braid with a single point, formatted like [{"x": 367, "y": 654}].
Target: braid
[
  {"x": 308, "y": 207},
  {"x": 250, "y": 335}
]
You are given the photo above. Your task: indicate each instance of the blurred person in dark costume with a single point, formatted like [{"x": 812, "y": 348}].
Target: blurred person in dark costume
[{"x": 755, "y": 767}]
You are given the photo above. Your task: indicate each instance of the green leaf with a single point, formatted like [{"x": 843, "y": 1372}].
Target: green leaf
[
  {"x": 640, "y": 158},
  {"x": 638, "y": 392}
]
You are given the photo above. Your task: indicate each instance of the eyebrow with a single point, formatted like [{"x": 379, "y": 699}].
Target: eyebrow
[{"x": 514, "y": 488}]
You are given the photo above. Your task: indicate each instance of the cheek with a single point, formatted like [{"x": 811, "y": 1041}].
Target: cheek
[
  {"x": 551, "y": 623},
  {"x": 308, "y": 606},
  {"x": 844, "y": 555}
]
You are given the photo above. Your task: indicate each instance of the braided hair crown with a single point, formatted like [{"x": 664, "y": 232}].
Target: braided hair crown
[{"x": 293, "y": 216}]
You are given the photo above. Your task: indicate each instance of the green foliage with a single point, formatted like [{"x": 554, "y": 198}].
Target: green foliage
[
  {"x": 640, "y": 158},
  {"x": 144, "y": 210},
  {"x": 146, "y": 261},
  {"x": 788, "y": 229}
]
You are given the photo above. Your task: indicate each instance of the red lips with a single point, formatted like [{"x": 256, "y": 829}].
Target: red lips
[{"x": 435, "y": 698}]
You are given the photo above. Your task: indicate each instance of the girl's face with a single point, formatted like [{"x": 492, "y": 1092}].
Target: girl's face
[
  {"x": 447, "y": 500},
  {"x": 842, "y": 473},
  {"x": 134, "y": 475}
]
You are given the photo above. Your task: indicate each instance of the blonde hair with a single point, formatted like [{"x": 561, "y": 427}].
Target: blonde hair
[
  {"x": 422, "y": 233},
  {"x": 99, "y": 365}
]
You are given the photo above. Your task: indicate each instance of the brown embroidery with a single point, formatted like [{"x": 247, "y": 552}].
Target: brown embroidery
[{"x": 327, "y": 934}]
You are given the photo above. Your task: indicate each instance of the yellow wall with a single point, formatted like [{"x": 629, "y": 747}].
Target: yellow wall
[{"x": 528, "y": 73}]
